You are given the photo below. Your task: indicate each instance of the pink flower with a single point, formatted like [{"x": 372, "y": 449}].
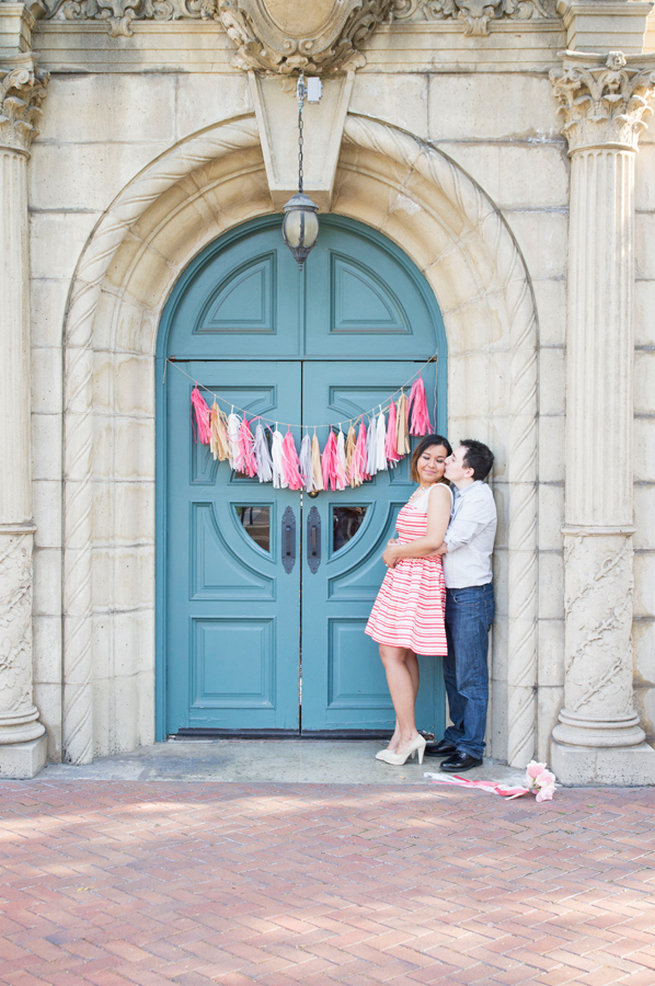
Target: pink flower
[{"x": 540, "y": 781}]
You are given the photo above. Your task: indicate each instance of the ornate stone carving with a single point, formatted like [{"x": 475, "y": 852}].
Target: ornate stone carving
[
  {"x": 598, "y": 607},
  {"x": 18, "y": 716},
  {"x": 273, "y": 35},
  {"x": 119, "y": 14},
  {"x": 603, "y": 99},
  {"x": 476, "y": 13},
  {"x": 22, "y": 90},
  {"x": 277, "y": 36}
]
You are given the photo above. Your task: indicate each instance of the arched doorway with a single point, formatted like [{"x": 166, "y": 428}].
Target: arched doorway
[{"x": 263, "y": 592}]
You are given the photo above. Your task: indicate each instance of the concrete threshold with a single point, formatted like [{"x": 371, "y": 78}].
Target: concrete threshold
[{"x": 267, "y": 761}]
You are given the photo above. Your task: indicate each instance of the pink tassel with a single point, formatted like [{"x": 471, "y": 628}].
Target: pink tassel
[
  {"x": 419, "y": 417},
  {"x": 390, "y": 444},
  {"x": 327, "y": 462},
  {"x": 360, "y": 451},
  {"x": 247, "y": 461},
  {"x": 291, "y": 464},
  {"x": 201, "y": 412},
  {"x": 340, "y": 462}
]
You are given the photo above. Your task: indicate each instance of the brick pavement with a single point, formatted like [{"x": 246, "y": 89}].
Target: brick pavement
[{"x": 113, "y": 883}]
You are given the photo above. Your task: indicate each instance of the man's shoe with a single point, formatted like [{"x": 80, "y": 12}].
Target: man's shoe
[
  {"x": 442, "y": 749},
  {"x": 460, "y": 761}
]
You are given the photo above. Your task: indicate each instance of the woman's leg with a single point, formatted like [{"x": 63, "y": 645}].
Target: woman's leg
[
  {"x": 401, "y": 668},
  {"x": 411, "y": 661}
]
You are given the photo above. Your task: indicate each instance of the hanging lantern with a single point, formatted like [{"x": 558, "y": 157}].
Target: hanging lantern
[
  {"x": 300, "y": 226},
  {"x": 300, "y": 223}
]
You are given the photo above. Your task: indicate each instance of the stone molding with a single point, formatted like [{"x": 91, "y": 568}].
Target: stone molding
[
  {"x": 337, "y": 28},
  {"x": 262, "y": 45},
  {"x": 603, "y": 98},
  {"x": 449, "y": 197},
  {"x": 476, "y": 14},
  {"x": 113, "y": 227},
  {"x": 18, "y": 715},
  {"x": 22, "y": 90}
]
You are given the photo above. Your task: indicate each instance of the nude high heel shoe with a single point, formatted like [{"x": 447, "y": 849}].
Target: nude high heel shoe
[{"x": 417, "y": 746}]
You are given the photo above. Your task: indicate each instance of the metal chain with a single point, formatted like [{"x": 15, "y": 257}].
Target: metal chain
[{"x": 302, "y": 92}]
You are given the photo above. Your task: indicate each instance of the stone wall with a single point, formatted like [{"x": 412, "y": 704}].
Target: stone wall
[{"x": 117, "y": 105}]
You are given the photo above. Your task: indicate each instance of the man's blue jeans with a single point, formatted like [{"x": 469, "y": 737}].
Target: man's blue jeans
[{"x": 469, "y": 615}]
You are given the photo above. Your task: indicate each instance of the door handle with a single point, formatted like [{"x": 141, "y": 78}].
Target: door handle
[
  {"x": 288, "y": 540},
  {"x": 313, "y": 540}
]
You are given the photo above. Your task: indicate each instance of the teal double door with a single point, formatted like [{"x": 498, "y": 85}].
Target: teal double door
[{"x": 263, "y": 593}]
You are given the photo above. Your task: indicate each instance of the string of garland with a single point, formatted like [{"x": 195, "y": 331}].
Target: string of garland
[{"x": 346, "y": 459}]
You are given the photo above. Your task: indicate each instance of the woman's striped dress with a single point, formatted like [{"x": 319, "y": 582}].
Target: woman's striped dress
[{"x": 410, "y": 606}]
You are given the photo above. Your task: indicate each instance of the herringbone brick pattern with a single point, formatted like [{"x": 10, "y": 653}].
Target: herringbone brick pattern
[{"x": 117, "y": 883}]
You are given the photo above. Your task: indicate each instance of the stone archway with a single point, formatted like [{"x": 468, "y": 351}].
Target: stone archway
[{"x": 205, "y": 185}]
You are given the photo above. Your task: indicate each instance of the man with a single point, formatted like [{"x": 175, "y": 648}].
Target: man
[{"x": 466, "y": 554}]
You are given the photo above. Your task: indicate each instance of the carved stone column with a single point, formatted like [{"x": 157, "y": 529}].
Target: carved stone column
[
  {"x": 22, "y": 736},
  {"x": 598, "y": 737}
]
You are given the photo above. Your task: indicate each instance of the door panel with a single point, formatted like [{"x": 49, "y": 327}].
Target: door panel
[
  {"x": 344, "y": 685},
  {"x": 232, "y": 609},
  {"x": 244, "y": 597},
  {"x": 365, "y": 301}
]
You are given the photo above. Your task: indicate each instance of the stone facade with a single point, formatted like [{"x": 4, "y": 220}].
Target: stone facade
[{"x": 508, "y": 149}]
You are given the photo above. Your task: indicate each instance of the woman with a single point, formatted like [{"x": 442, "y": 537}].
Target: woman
[{"x": 408, "y": 615}]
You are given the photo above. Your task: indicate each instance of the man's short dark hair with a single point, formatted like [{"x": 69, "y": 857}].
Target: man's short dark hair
[{"x": 477, "y": 457}]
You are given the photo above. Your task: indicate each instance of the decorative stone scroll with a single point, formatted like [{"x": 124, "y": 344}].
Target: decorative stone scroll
[
  {"x": 282, "y": 36},
  {"x": 477, "y": 13},
  {"x": 22, "y": 90}
]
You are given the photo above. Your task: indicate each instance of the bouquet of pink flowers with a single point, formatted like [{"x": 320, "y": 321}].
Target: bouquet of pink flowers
[{"x": 540, "y": 781}]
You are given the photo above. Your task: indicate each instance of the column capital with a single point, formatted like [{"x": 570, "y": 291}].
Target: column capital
[
  {"x": 603, "y": 98},
  {"x": 22, "y": 90}
]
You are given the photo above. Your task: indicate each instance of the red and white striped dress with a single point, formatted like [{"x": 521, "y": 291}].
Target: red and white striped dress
[{"x": 410, "y": 606}]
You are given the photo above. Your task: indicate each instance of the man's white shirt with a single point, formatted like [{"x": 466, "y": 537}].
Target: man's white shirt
[{"x": 470, "y": 537}]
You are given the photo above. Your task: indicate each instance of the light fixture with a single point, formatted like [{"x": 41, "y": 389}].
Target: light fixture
[{"x": 300, "y": 223}]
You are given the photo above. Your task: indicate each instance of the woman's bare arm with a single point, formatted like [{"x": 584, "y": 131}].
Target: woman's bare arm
[{"x": 439, "y": 503}]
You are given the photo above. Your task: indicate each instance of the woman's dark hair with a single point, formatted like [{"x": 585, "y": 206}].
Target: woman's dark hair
[{"x": 425, "y": 443}]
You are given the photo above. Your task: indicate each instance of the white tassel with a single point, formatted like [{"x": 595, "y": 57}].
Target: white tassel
[
  {"x": 262, "y": 455},
  {"x": 279, "y": 481},
  {"x": 380, "y": 442},
  {"x": 371, "y": 467},
  {"x": 305, "y": 457},
  {"x": 233, "y": 426}
]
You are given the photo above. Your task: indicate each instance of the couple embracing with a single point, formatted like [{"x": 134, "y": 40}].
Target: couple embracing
[{"x": 437, "y": 599}]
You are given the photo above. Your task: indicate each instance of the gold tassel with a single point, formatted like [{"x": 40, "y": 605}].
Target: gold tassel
[
  {"x": 351, "y": 442},
  {"x": 317, "y": 468},
  {"x": 218, "y": 433},
  {"x": 402, "y": 438}
]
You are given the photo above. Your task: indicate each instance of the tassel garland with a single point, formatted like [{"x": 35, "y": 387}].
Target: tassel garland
[{"x": 347, "y": 459}]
